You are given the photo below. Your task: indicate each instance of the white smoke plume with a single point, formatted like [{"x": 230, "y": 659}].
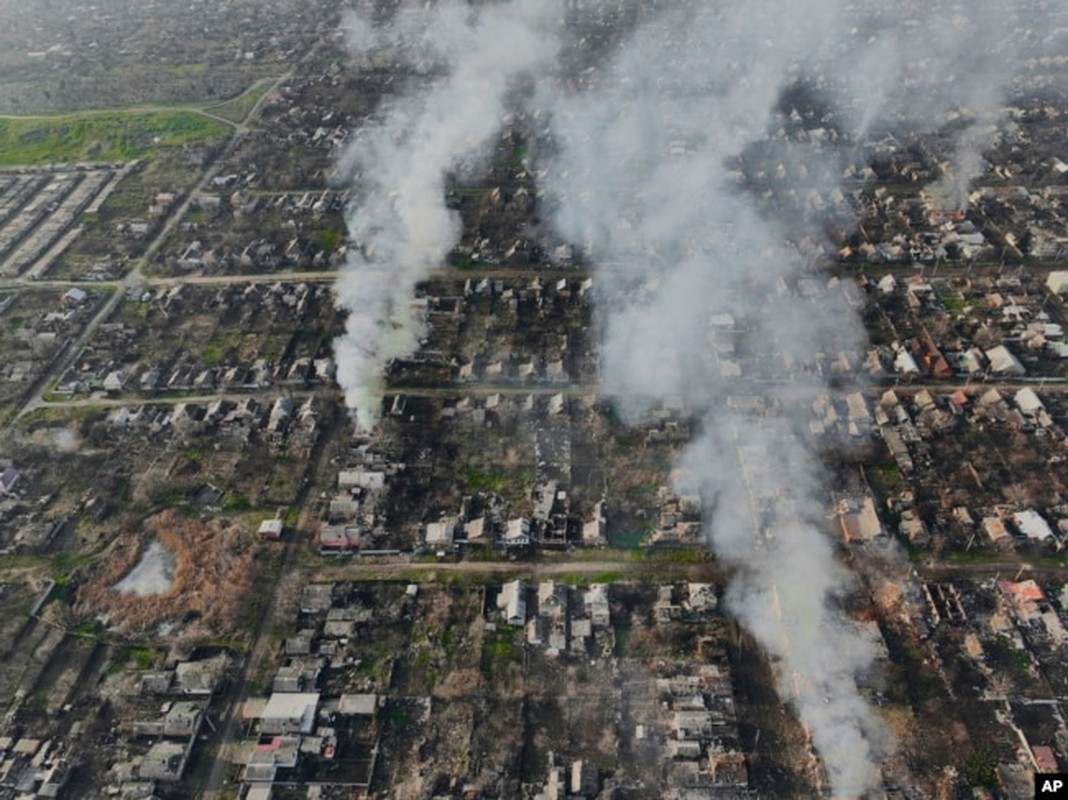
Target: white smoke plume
[
  {"x": 949, "y": 66},
  {"x": 642, "y": 180},
  {"x": 695, "y": 191},
  {"x": 705, "y": 287},
  {"x": 400, "y": 226}
]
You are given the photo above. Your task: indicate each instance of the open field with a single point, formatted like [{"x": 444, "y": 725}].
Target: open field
[
  {"x": 109, "y": 136},
  {"x": 237, "y": 108}
]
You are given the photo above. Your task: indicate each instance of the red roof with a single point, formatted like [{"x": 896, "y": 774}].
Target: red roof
[
  {"x": 1025, "y": 590},
  {"x": 1044, "y": 758}
]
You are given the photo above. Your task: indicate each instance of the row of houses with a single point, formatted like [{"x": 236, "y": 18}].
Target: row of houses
[
  {"x": 905, "y": 421},
  {"x": 988, "y": 328},
  {"x": 288, "y": 249},
  {"x": 556, "y": 618},
  {"x": 35, "y": 768},
  {"x": 549, "y": 525},
  {"x": 700, "y": 746},
  {"x": 159, "y": 723},
  {"x": 188, "y": 376},
  {"x": 284, "y": 419},
  {"x": 1035, "y": 218},
  {"x": 312, "y": 714}
]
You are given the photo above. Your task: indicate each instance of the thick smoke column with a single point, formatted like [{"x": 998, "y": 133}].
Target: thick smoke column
[
  {"x": 693, "y": 278},
  {"x": 676, "y": 170},
  {"x": 400, "y": 225},
  {"x": 683, "y": 172}
]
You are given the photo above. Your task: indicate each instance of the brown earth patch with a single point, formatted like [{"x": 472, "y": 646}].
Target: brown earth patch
[{"x": 214, "y": 567}]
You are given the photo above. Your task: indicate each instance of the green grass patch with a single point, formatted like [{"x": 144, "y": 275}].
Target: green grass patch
[
  {"x": 492, "y": 481},
  {"x": 236, "y": 502},
  {"x": 61, "y": 591},
  {"x": 46, "y": 416},
  {"x": 212, "y": 354},
  {"x": 974, "y": 556},
  {"x": 629, "y": 539},
  {"x": 1003, "y": 654},
  {"x": 678, "y": 555},
  {"x": 194, "y": 453},
  {"x": 952, "y": 300},
  {"x": 64, "y": 565},
  {"x": 468, "y": 191},
  {"x": 331, "y": 238},
  {"x": 980, "y": 769},
  {"x": 606, "y": 577},
  {"x": 501, "y": 648},
  {"x": 891, "y": 472},
  {"x": 238, "y": 108},
  {"x": 482, "y": 554},
  {"x": 273, "y": 345},
  {"x": 26, "y": 562},
  {"x": 200, "y": 766},
  {"x": 143, "y": 658},
  {"x": 111, "y": 136},
  {"x": 171, "y": 497},
  {"x": 1053, "y": 560},
  {"x": 504, "y": 648},
  {"x": 220, "y": 345},
  {"x": 140, "y": 658}
]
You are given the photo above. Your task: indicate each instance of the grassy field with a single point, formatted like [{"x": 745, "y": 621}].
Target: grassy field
[
  {"x": 237, "y": 109},
  {"x": 110, "y": 136}
]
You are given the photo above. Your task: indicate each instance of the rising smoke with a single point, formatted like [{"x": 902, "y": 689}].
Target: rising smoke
[
  {"x": 400, "y": 226},
  {"x": 700, "y": 286},
  {"x": 686, "y": 175}
]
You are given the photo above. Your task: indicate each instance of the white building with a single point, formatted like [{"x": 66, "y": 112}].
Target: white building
[
  {"x": 361, "y": 479},
  {"x": 1033, "y": 526},
  {"x": 115, "y": 381},
  {"x": 1003, "y": 362},
  {"x": 440, "y": 534},
  {"x": 517, "y": 532},
  {"x": 512, "y": 602},
  {"x": 271, "y": 529},
  {"x": 289, "y": 712},
  {"x": 904, "y": 363},
  {"x": 1028, "y": 402},
  {"x": 1057, "y": 282},
  {"x": 597, "y": 606}
]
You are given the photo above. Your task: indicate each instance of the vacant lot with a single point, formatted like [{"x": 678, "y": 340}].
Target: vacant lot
[{"x": 113, "y": 136}]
